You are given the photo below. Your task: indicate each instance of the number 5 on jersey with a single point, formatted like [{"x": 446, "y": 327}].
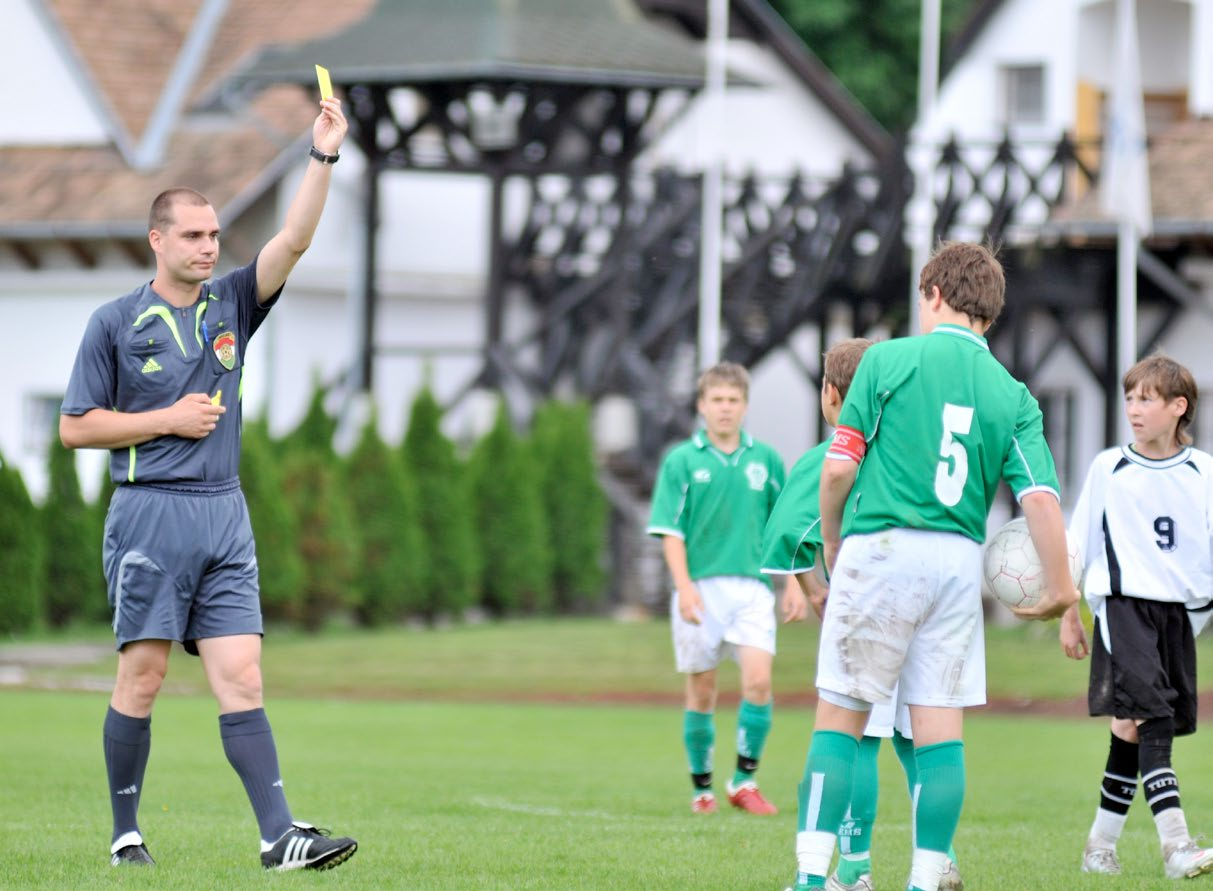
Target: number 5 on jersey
[{"x": 950, "y": 475}]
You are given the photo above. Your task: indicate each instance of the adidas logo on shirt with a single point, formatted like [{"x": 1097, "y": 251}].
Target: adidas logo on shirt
[{"x": 151, "y": 365}]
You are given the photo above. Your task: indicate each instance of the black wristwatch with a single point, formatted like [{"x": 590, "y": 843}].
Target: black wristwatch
[{"x": 322, "y": 157}]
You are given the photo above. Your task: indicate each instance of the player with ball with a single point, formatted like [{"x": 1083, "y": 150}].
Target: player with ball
[
  {"x": 928, "y": 428},
  {"x": 1145, "y": 522}
]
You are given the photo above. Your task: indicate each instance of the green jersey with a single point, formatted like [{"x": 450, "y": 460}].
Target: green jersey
[
  {"x": 943, "y": 421},
  {"x": 717, "y": 503},
  {"x": 792, "y": 539}
]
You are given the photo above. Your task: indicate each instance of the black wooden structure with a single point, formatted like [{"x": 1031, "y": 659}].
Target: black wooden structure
[{"x": 563, "y": 95}]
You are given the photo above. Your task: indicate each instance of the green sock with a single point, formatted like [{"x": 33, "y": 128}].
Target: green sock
[
  {"x": 825, "y": 791},
  {"x": 905, "y": 754},
  {"x": 699, "y": 736},
  {"x": 855, "y": 834},
  {"x": 852, "y": 866},
  {"x": 753, "y": 725},
  {"x": 941, "y": 791}
]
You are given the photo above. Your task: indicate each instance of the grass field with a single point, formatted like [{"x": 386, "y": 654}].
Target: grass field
[{"x": 461, "y": 759}]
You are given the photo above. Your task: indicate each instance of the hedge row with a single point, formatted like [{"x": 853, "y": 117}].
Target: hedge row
[{"x": 384, "y": 534}]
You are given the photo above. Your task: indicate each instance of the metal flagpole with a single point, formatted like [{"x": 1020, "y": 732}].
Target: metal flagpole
[
  {"x": 1125, "y": 182},
  {"x": 928, "y": 88},
  {"x": 711, "y": 223}
]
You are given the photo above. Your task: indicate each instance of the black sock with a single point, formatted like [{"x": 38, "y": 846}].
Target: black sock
[
  {"x": 248, "y": 743},
  {"x": 126, "y": 742},
  {"x": 1158, "y": 780},
  {"x": 1120, "y": 776}
]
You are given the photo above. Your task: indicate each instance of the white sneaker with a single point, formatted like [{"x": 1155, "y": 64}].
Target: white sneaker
[
  {"x": 1096, "y": 858},
  {"x": 863, "y": 883},
  {"x": 951, "y": 880},
  {"x": 1187, "y": 861}
]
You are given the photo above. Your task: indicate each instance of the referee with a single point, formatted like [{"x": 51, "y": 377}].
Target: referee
[{"x": 157, "y": 382}]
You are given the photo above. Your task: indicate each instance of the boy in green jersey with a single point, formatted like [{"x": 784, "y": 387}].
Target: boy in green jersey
[
  {"x": 713, "y": 495},
  {"x": 928, "y": 428},
  {"x": 791, "y": 542},
  {"x": 792, "y": 546}
]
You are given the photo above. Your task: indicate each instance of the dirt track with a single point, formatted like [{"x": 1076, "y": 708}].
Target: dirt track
[{"x": 15, "y": 660}]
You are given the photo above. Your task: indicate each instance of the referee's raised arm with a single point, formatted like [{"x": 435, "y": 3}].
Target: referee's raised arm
[{"x": 283, "y": 251}]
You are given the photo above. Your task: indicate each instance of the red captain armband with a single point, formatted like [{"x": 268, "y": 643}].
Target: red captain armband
[{"x": 848, "y": 443}]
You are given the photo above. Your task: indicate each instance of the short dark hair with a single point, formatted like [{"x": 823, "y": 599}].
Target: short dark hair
[
  {"x": 1168, "y": 379},
  {"x": 161, "y": 215},
  {"x": 969, "y": 277},
  {"x": 840, "y": 362}
]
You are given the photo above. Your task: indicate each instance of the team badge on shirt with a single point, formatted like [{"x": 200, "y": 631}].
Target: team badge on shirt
[
  {"x": 225, "y": 349},
  {"x": 757, "y": 475}
]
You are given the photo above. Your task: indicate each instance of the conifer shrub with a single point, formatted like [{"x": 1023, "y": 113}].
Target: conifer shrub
[
  {"x": 275, "y": 527},
  {"x": 575, "y": 505},
  {"x": 512, "y": 530},
  {"x": 75, "y": 580},
  {"x": 22, "y": 553},
  {"x": 392, "y": 568},
  {"x": 453, "y": 570}
]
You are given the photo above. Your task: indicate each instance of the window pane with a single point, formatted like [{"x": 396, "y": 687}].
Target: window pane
[{"x": 1025, "y": 94}]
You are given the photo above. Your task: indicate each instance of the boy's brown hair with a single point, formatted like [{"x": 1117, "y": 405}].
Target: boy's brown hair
[
  {"x": 969, "y": 277},
  {"x": 1169, "y": 380},
  {"x": 725, "y": 374},
  {"x": 840, "y": 361}
]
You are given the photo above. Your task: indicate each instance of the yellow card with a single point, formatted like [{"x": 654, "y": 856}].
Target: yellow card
[
  {"x": 217, "y": 399},
  {"x": 326, "y": 85}
]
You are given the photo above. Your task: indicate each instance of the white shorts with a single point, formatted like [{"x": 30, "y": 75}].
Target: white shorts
[
  {"x": 905, "y": 608},
  {"x": 737, "y": 612},
  {"x": 885, "y": 717}
]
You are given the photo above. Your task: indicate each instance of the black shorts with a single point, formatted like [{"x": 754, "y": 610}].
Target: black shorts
[{"x": 1149, "y": 671}]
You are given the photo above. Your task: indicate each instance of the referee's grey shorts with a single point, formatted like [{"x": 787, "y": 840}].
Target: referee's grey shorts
[{"x": 180, "y": 564}]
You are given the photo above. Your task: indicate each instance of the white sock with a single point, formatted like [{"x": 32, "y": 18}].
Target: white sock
[
  {"x": 814, "y": 851},
  {"x": 1106, "y": 830},
  {"x": 927, "y": 868},
  {"x": 1172, "y": 828}
]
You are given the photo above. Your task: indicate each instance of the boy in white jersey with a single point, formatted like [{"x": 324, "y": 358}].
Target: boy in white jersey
[
  {"x": 713, "y": 495},
  {"x": 928, "y": 428},
  {"x": 1145, "y": 519}
]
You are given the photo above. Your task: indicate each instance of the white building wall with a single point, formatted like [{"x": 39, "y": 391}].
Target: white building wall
[
  {"x": 776, "y": 128},
  {"x": 1074, "y": 40},
  {"x": 47, "y": 101}
]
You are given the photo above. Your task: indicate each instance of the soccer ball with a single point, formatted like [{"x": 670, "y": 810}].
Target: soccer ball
[{"x": 1011, "y": 569}]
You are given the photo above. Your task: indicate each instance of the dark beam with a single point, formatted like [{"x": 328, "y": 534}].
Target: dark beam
[
  {"x": 26, "y": 254},
  {"x": 81, "y": 252}
]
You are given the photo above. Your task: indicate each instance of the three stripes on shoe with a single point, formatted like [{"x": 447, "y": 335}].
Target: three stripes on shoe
[{"x": 295, "y": 854}]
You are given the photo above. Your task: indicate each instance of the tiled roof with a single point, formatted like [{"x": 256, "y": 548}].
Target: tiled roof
[
  {"x": 581, "y": 41},
  {"x": 55, "y": 189},
  {"x": 1181, "y": 180},
  {"x": 1181, "y": 186},
  {"x": 128, "y": 47},
  {"x": 48, "y": 190}
]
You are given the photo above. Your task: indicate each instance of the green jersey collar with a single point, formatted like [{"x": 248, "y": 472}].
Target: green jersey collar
[
  {"x": 702, "y": 442},
  {"x": 961, "y": 331}
]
